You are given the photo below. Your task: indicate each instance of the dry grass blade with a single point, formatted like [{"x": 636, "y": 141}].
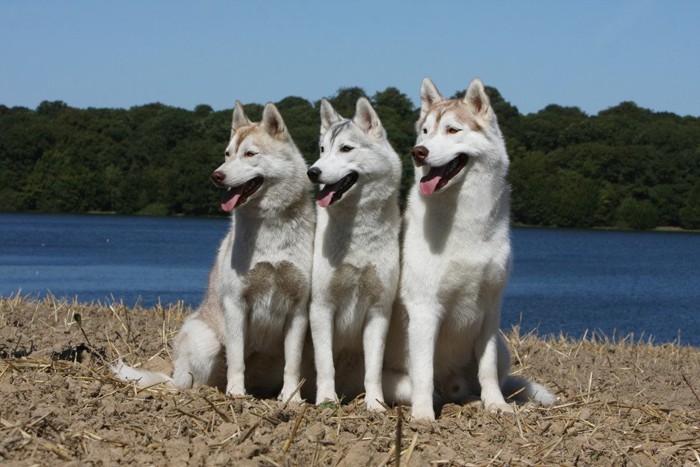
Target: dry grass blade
[
  {"x": 399, "y": 429},
  {"x": 77, "y": 317},
  {"x": 249, "y": 432},
  {"x": 622, "y": 401},
  {"x": 60, "y": 451},
  {"x": 697, "y": 456},
  {"x": 297, "y": 422},
  {"x": 697, "y": 398},
  {"x": 219, "y": 412},
  {"x": 295, "y": 392},
  {"x": 409, "y": 451},
  {"x": 191, "y": 415}
]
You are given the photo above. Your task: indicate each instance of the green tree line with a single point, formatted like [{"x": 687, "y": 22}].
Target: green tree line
[{"x": 624, "y": 167}]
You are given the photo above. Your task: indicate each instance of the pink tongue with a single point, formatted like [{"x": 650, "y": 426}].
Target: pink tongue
[
  {"x": 325, "y": 196},
  {"x": 231, "y": 203},
  {"x": 231, "y": 198},
  {"x": 429, "y": 183}
]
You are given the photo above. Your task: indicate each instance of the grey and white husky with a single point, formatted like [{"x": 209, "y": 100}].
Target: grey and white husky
[{"x": 356, "y": 253}]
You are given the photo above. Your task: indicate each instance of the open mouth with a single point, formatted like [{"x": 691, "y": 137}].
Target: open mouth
[
  {"x": 238, "y": 195},
  {"x": 332, "y": 192},
  {"x": 438, "y": 177}
]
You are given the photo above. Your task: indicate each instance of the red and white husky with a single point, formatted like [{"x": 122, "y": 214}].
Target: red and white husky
[
  {"x": 457, "y": 255},
  {"x": 249, "y": 333}
]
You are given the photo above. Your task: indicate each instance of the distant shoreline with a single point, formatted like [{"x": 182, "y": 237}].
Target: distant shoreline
[{"x": 664, "y": 229}]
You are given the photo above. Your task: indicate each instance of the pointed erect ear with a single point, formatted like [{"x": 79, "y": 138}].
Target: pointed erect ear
[
  {"x": 239, "y": 118},
  {"x": 328, "y": 116},
  {"x": 476, "y": 98},
  {"x": 429, "y": 96},
  {"x": 366, "y": 118},
  {"x": 272, "y": 121}
]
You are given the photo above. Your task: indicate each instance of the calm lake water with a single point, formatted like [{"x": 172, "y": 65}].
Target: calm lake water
[{"x": 646, "y": 283}]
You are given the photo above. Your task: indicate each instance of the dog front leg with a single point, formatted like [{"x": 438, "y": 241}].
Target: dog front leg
[
  {"x": 374, "y": 341},
  {"x": 294, "y": 337},
  {"x": 486, "y": 352},
  {"x": 423, "y": 327},
  {"x": 321, "y": 318},
  {"x": 235, "y": 321}
]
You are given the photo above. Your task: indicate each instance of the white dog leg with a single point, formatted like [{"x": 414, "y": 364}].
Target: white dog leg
[
  {"x": 293, "y": 349},
  {"x": 321, "y": 319},
  {"x": 235, "y": 319},
  {"x": 423, "y": 329},
  {"x": 373, "y": 340},
  {"x": 486, "y": 351}
]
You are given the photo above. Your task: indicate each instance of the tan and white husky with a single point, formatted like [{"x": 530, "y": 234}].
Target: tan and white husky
[
  {"x": 356, "y": 253},
  {"x": 248, "y": 335},
  {"x": 457, "y": 255}
]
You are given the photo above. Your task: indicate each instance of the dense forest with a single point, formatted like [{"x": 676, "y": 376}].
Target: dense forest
[{"x": 624, "y": 167}]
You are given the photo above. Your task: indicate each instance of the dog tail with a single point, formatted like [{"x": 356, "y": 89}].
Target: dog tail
[
  {"x": 142, "y": 378},
  {"x": 522, "y": 390}
]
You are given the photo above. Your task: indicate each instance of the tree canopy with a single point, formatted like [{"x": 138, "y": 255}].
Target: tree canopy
[{"x": 624, "y": 167}]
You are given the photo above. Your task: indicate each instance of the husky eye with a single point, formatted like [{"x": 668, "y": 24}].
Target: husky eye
[
  {"x": 346, "y": 148},
  {"x": 227, "y": 154},
  {"x": 452, "y": 130},
  {"x": 322, "y": 149},
  {"x": 425, "y": 131},
  {"x": 249, "y": 153}
]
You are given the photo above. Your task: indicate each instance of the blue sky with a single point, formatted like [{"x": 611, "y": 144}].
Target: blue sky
[{"x": 592, "y": 54}]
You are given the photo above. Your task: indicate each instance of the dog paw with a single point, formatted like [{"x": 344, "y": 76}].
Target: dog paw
[
  {"x": 424, "y": 413},
  {"x": 234, "y": 390},
  {"x": 295, "y": 399},
  {"x": 374, "y": 405},
  {"x": 324, "y": 397},
  {"x": 497, "y": 407},
  {"x": 545, "y": 398}
]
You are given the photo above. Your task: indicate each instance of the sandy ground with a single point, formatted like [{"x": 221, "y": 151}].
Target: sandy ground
[{"x": 621, "y": 403}]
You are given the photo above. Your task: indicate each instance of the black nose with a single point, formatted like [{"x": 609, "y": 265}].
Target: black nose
[
  {"x": 313, "y": 173},
  {"x": 218, "y": 178},
  {"x": 419, "y": 153}
]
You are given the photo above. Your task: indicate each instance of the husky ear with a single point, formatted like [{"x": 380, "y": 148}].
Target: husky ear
[
  {"x": 367, "y": 119},
  {"x": 429, "y": 96},
  {"x": 328, "y": 115},
  {"x": 476, "y": 98},
  {"x": 239, "y": 118},
  {"x": 272, "y": 121}
]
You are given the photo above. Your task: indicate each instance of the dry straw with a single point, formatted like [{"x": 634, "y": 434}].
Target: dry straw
[{"x": 623, "y": 400}]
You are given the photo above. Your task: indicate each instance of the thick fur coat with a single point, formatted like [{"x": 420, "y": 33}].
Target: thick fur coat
[
  {"x": 249, "y": 333},
  {"x": 457, "y": 255},
  {"x": 356, "y": 254}
]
